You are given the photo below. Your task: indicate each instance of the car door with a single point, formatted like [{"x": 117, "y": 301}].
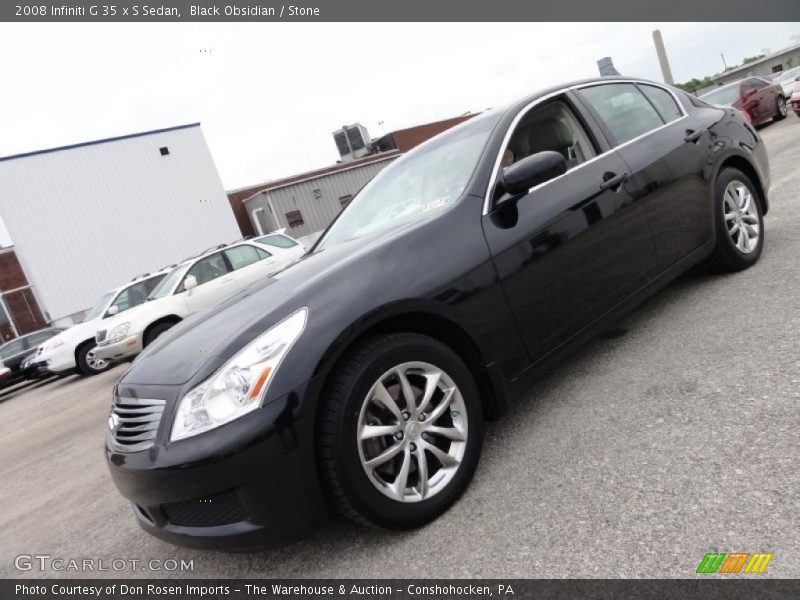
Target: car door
[
  {"x": 665, "y": 149},
  {"x": 573, "y": 247},
  {"x": 214, "y": 282},
  {"x": 250, "y": 263}
]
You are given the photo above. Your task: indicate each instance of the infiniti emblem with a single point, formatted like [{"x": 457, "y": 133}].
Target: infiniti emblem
[{"x": 413, "y": 430}]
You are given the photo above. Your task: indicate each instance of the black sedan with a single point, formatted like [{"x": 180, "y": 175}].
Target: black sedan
[
  {"x": 358, "y": 380},
  {"x": 14, "y": 352}
]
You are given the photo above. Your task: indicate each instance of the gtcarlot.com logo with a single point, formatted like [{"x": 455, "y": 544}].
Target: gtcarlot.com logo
[
  {"x": 734, "y": 562},
  {"x": 46, "y": 562}
]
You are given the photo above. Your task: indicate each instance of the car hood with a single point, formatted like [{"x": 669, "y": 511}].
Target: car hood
[
  {"x": 75, "y": 334},
  {"x": 204, "y": 341}
]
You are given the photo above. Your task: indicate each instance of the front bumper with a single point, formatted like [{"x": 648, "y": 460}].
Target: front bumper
[
  {"x": 249, "y": 484},
  {"x": 124, "y": 348},
  {"x": 61, "y": 360}
]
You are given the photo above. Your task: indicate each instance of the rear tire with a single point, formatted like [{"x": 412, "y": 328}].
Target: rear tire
[
  {"x": 434, "y": 445},
  {"x": 782, "y": 109},
  {"x": 87, "y": 362},
  {"x": 156, "y": 331},
  {"x": 738, "y": 222}
]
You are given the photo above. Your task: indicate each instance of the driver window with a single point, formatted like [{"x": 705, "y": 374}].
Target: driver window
[{"x": 549, "y": 127}]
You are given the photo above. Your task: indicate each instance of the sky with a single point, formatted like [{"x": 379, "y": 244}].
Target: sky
[{"x": 269, "y": 95}]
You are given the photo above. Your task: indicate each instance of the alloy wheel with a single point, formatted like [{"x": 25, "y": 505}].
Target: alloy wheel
[
  {"x": 94, "y": 363},
  {"x": 782, "y": 106},
  {"x": 412, "y": 432},
  {"x": 741, "y": 216}
]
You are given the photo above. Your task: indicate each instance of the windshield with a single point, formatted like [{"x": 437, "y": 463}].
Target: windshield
[
  {"x": 98, "y": 308},
  {"x": 726, "y": 95},
  {"x": 417, "y": 186},
  {"x": 165, "y": 287}
]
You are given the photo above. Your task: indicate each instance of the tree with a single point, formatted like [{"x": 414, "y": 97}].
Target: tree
[
  {"x": 695, "y": 84},
  {"x": 749, "y": 59}
]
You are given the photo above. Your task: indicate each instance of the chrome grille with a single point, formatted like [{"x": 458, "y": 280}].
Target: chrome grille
[
  {"x": 133, "y": 423},
  {"x": 100, "y": 335}
]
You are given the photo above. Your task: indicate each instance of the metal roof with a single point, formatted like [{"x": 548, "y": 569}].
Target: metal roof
[{"x": 101, "y": 141}]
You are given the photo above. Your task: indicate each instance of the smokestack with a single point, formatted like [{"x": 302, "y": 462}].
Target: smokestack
[{"x": 666, "y": 73}]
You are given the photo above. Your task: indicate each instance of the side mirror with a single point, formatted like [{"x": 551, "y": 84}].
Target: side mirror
[
  {"x": 190, "y": 282},
  {"x": 533, "y": 170},
  {"x": 112, "y": 310}
]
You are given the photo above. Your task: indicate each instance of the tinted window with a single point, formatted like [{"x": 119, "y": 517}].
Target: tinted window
[
  {"x": 208, "y": 268},
  {"x": 663, "y": 101},
  {"x": 756, "y": 83},
  {"x": 39, "y": 337},
  {"x": 623, "y": 108},
  {"x": 242, "y": 256},
  {"x": 136, "y": 294},
  {"x": 279, "y": 241},
  {"x": 11, "y": 348}
]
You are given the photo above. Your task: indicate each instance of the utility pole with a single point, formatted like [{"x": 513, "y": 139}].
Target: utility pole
[
  {"x": 724, "y": 64},
  {"x": 663, "y": 61}
]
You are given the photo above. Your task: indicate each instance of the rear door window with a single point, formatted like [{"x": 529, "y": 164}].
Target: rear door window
[
  {"x": 624, "y": 109},
  {"x": 11, "y": 349},
  {"x": 245, "y": 255},
  {"x": 665, "y": 104}
]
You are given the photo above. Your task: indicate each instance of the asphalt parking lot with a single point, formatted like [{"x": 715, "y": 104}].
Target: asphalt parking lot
[{"x": 674, "y": 435}]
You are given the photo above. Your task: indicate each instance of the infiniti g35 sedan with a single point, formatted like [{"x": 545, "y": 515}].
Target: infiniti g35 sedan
[{"x": 358, "y": 379}]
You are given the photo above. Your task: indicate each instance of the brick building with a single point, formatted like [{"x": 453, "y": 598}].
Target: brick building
[
  {"x": 19, "y": 310},
  {"x": 306, "y": 203}
]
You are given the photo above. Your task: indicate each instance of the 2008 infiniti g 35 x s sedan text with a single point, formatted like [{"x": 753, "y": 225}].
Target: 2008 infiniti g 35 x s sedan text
[{"x": 359, "y": 378}]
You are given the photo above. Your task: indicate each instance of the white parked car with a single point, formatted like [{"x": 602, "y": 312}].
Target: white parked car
[
  {"x": 787, "y": 80},
  {"x": 75, "y": 347},
  {"x": 199, "y": 282}
]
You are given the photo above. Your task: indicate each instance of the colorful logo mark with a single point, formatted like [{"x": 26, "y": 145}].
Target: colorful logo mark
[{"x": 734, "y": 562}]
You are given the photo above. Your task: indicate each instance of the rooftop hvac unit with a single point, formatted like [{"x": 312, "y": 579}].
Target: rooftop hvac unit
[{"x": 352, "y": 141}]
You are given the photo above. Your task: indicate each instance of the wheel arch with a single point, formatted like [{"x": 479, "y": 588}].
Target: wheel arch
[
  {"x": 740, "y": 162},
  {"x": 78, "y": 348},
  {"x": 173, "y": 319},
  {"x": 433, "y": 323}
]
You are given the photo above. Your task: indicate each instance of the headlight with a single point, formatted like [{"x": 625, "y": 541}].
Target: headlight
[
  {"x": 119, "y": 332},
  {"x": 240, "y": 385}
]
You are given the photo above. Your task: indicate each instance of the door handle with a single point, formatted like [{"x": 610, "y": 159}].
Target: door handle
[
  {"x": 692, "y": 135},
  {"x": 613, "y": 182}
]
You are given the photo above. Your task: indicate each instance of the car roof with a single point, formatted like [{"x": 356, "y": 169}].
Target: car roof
[
  {"x": 521, "y": 102},
  {"x": 142, "y": 277}
]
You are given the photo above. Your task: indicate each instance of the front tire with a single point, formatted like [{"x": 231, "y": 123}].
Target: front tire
[
  {"x": 738, "y": 222},
  {"x": 400, "y": 431},
  {"x": 87, "y": 362}
]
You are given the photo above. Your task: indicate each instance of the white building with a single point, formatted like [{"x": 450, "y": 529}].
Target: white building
[{"x": 88, "y": 217}]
